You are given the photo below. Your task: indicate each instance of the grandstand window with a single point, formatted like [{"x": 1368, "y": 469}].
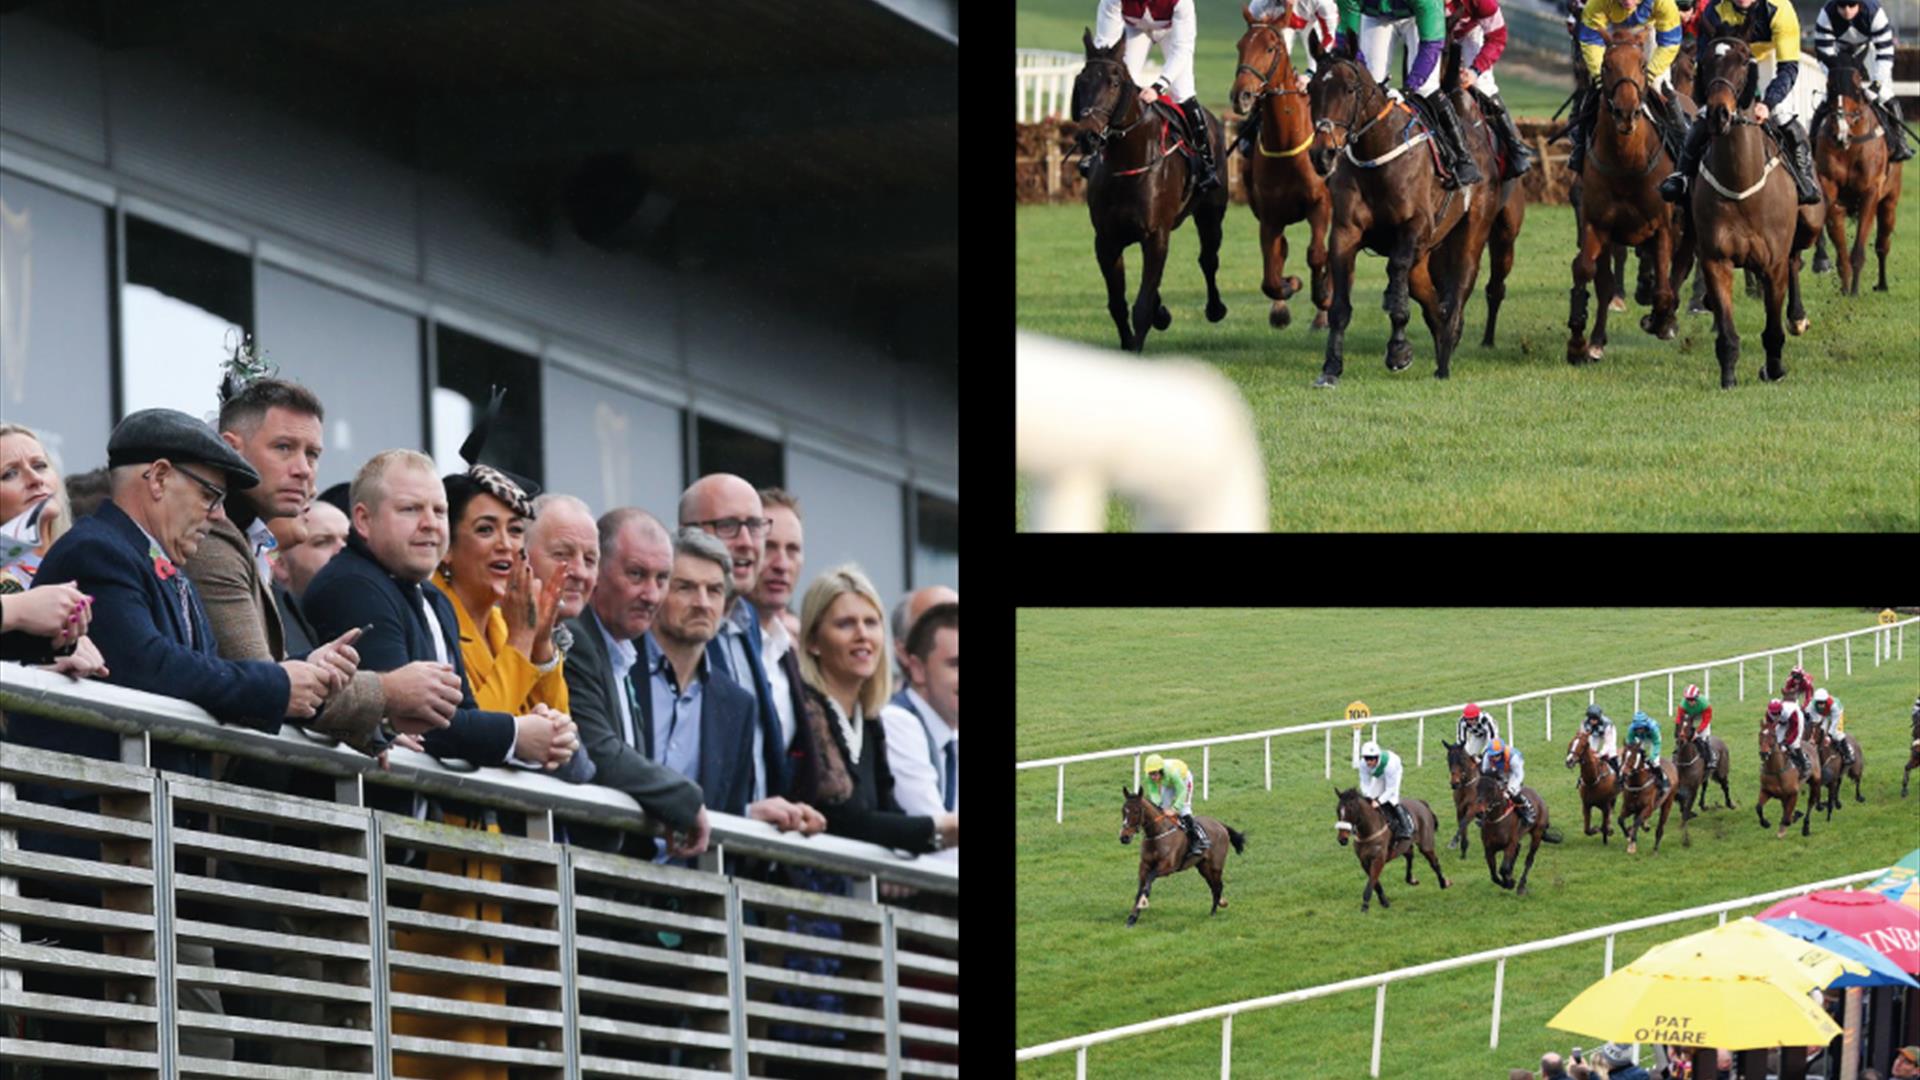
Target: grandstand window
[
  {"x": 610, "y": 447},
  {"x": 363, "y": 359},
  {"x": 54, "y": 345},
  {"x": 184, "y": 302},
  {"x": 852, "y": 515},
  {"x": 723, "y": 448},
  {"x": 467, "y": 367},
  {"x": 936, "y": 544}
]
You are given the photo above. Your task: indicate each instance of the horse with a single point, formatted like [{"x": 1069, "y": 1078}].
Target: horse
[
  {"x": 1850, "y": 157},
  {"x": 1282, "y": 187},
  {"x": 1620, "y": 204},
  {"x": 1697, "y": 796},
  {"x": 1391, "y": 202},
  {"x": 1163, "y": 850},
  {"x": 1463, "y": 772},
  {"x": 1913, "y": 751},
  {"x": 1502, "y": 238},
  {"x": 1140, "y": 190},
  {"x": 1746, "y": 212},
  {"x": 1834, "y": 772},
  {"x": 1500, "y": 832},
  {"x": 1680, "y": 75},
  {"x": 1598, "y": 786},
  {"x": 1778, "y": 780},
  {"x": 1368, "y": 826},
  {"x": 1639, "y": 801}
]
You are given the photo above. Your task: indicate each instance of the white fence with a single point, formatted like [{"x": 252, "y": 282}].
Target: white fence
[
  {"x": 1889, "y": 641},
  {"x": 1499, "y": 957},
  {"x": 1043, "y": 82}
]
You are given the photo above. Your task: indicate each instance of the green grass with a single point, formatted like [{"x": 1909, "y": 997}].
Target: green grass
[
  {"x": 1096, "y": 679},
  {"x": 1518, "y": 439}
]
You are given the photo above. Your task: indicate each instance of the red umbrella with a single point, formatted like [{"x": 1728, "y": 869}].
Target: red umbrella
[{"x": 1893, "y": 929}]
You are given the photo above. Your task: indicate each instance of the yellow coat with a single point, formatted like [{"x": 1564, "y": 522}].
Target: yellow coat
[{"x": 502, "y": 678}]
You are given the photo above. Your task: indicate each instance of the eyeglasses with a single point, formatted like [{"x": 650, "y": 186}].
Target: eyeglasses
[
  {"x": 214, "y": 492},
  {"x": 728, "y": 528}
]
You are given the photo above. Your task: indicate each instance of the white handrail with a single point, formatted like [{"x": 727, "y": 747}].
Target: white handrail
[
  {"x": 1417, "y": 714},
  {"x": 1080, "y": 1042}
]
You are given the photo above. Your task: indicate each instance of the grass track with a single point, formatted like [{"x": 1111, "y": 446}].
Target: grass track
[
  {"x": 1095, "y": 679},
  {"x": 1518, "y": 439}
]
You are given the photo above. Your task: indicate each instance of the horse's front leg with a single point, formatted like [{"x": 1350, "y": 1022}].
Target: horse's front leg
[
  {"x": 1140, "y": 898},
  {"x": 1273, "y": 285},
  {"x": 1528, "y": 869},
  {"x": 1836, "y": 230},
  {"x": 1148, "y": 311},
  {"x": 1664, "y": 320},
  {"x": 1399, "y": 266},
  {"x": 1207, "y": 220},
  {"x": 1420, "y": 286},
  {"x": 1585, "y": 266},
  {"x": 1493, "y": 862},
  {"x": 1111, "y": 255},
  {"x": 1607, "y": 289},
  {"x": 1319, "y": 218},
  {"x": 1774, "y": 337},
  {"x": 1717, "y": 273},
  {"x": 1883, "y": 234},
  {"x": 1372, "y": 886},
  {"x": 1586, "y": 817},
  {"x": 1867, "y": 210},
  {"x": 1342, "y": 247}
]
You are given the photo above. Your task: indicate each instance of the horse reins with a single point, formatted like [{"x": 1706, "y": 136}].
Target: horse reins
[
  {"x": 1328, "y": 123},
  {"x": 1109, "y": 133},
  {"x": 1268, "y": 89}
]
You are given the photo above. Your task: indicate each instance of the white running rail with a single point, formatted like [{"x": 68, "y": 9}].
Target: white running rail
[
  {"x": 1043, "y": 82},
  {"x": 1498, "y": 957},
  {"x": 1889, "y": 640}
]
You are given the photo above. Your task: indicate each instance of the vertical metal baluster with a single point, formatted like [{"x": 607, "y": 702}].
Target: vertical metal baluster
[
  {"x": 377, "y": 940},
  {"x": 736, "y": 984},
  {"x": 165, "y": 994},
  {"x": 892, "y": 973},
  {"x": 569, "y": 966}
]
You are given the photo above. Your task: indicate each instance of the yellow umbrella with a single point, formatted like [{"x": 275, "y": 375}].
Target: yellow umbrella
[
  {"x": 1739, "y": 986},
  {"x": 1752, "y": 948}
]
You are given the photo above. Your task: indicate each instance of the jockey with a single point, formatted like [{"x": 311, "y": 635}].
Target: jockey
[
  {"x": 1644, "y": 732},
  {"x": 1602, "y": 736},
  {"x": 1171, "y": 24},
  {"x": 1798, "y": 686},
  {"x": 1319, "y": 18},
  {"x": 1173, "y": 790},
  {"x": 1694, "y": 706},
  {"x": 1831, "y": 718},
  {"x": 1380, "y": 782},
  {"x": 1476, "y": 730},
  {"x": 1505, "y": 761},
  {"x": 1777, "y": 51},
  {"x": 1369, "y": 27},
  {"x": 1789, "y": 728},
  {"x": 1860, "y": 26},
  {"x": 1481, "y": 31},
  {"x": 1596, "y": 18}
]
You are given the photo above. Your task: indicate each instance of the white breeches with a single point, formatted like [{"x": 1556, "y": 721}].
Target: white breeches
[
  {"x": 1782, "y": 113},
  {"x": 1137, "y": 43},
  {"x": 1376, "y": 44},
  {"x": 1470, "y": 48}
]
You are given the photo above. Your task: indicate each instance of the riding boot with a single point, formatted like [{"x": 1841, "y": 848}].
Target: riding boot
[
  {"x": 1248, "y": 135},
  {"x": 1800, "y": 163},
  {"x": 1800, "y": 761},
  {"x": 1660, "y": 780},
  {"x": 1202, "y": 142},
  {"x": 1196, "y": 836},
  {"x": 1706, "y": 752},
  {"x": 1519, "y": 158},
  {"x": 1525, "y": 806},
  {"x": 1897, "y": 148},
  {"x": 1402, "y": 822},
  {"x": 1673, "y": 125},
  {"x": 1674, "y": 187},
  {"x": 1578, "y": 127},
  {"x": 1453, "y": 145}
]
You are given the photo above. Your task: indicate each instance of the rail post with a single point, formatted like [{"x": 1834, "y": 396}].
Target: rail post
[
  {"x": 1136, "y": 772},
  {"x": 1080, "y": 1064},
  {"x": 1499, "y": 983},
  {"x": 1770, "y": 683},
  {"x": 1743, "y": 680},
  {"x": 1826, "y": 658},
  {"x": 1060, "y": 797},
  {"x": 1609, "y": 968},
  {"x": 1206, "y": 771},
  {"x": 1636, "y": 695},
  {"x": 1549, "y": 718},
  {"x": 1723, "y": 918},
  {"x": 1420, "y": 748},
  {"x": 1706, "y": 681},
  {"x": 1849, "y": 656},
  {"x": 1329, "y": 753},
  {"x": 1509, "y": 723},
  {"x": 1669, "y": 693},
  {"x": 1589, "y": 695},
  {"x": 1900, "y": 640},
  {"x": 1379, "y": 1018},
  {"x": 1226, "y": 1047},
  {"x": 1269, "y": 742}
]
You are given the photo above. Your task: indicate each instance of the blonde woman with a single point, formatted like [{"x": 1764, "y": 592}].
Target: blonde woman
[
  {"x": 60, "y": 613},
  {"x": 27, "y": 479},
  {"x": 845, "y": 665}
]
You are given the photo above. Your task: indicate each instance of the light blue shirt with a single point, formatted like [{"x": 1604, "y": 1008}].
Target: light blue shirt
[
  {"x": 621, "y": 656},
  {"x": 733, "y": 638},
  {"x": 676, "y": 713}
]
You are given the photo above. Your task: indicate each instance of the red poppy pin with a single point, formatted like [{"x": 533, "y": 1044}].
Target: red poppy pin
[{"x": 162, "y": 566}]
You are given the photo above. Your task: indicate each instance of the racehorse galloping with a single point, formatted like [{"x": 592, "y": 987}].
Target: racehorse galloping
[
  {"x": 1388, "y": 199},
  {"x": 1641, "y": 797},
  {"x": 1500, "y": 830},
  {"x": 1598, "y": 785},
  {"x": 1376, "y": 847},
  {"x": 1683, "y": 740},
  {"x": 1163, "y": 850},
  {"x": 1620, "y": 203},
  {"x": 1140, "y": 190},
  {"x": 1850, "y": 156},
  {"x": 1282, "y": 187},
  {"x": 1463, "y": 772},
  {"x": 1745, "y": 210},
  {"x": 1834, "y": 771},
  {"x": 1779, "y": 780}
]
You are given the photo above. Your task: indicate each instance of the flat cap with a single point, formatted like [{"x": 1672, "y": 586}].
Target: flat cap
[{"x": 152, "y": 434}]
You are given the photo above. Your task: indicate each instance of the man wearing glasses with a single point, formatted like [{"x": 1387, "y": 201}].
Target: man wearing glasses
[{"x": 729, "y": 508}]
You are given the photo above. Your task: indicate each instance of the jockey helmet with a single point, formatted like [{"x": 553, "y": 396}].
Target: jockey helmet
[
  {"x": 1471, "y": 712},
  {"x": 1821, "y": 700},
  {"x": 1641, "y": 719},
  {"x": 1797, "y": 670},
  {"x": 1370, "y": 750},
  {"x": 1594, "y": 712},
  {"x": 1693, "y": 692},
  {"x": 1154, "y": 764},
  {"x": 1773, "y": 707}
]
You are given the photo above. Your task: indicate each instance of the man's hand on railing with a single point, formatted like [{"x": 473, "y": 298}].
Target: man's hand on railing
[
  {"x": 411, "y": 742},
  {"x": 421, "y": 696},
  {"x": 686, "y": 845},
  {"x": 948, "y": 826},
  {"x": 339, "y": 659},
  {"x": 782, "y": 814},
  {"x": 85, "y": 662},
  {"x": 545, "y": 737},
  {"x": 811, "y": 821},
  {"x": 308, "y": 687}
]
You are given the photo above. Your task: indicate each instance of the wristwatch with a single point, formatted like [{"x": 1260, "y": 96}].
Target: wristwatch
[{"x": 939, "y": 841}]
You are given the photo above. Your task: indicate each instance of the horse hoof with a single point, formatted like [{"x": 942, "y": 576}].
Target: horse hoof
[
  {"x": 1797, "y": 327},
  {"x": 1223, "y": 903},
  {"x": 1399, "y": 359},
  {"x": 1319, "y": 321},
  {"x": 1289, "y": 285},
  {"x": 1162, "y": 318},
  {"x": 1618, "y": 303},
  {"x": 1596, "y": 352},
  {"x": 1278, "y": 316},
  {"x": 1882, "y": 287},
  {"x": 1632, "y": 847},
  {"x": 1765, "y": 377},
  {"x": 1326, "y": 381},
  {"x": 1521, "y": 891},
  {"x": 1216, "y": 312},
  {"x": 1822, "y": 265}
]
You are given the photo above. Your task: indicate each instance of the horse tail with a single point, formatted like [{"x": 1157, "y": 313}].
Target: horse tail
[
  {"x": 1552, "y": 835},
  {"x": 1239, "y": 838}
]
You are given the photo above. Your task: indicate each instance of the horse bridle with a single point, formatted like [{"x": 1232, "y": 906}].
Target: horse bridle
[
  {"x": 1267, "y": 89},
  {"x": 1328, "y": 123},
  {"x": 1107, "y": 131}
]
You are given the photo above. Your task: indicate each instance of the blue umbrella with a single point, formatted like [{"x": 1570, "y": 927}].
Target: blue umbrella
[{"x": 1885, "y": 972}]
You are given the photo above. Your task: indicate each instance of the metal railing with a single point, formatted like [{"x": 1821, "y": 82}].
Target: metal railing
[
  {"x": 1043, "y": 82},
  {"x": 1890, "y": 643},
  {"x": 353, "y": 941},
  {"x": 1498, "y": 957}
]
